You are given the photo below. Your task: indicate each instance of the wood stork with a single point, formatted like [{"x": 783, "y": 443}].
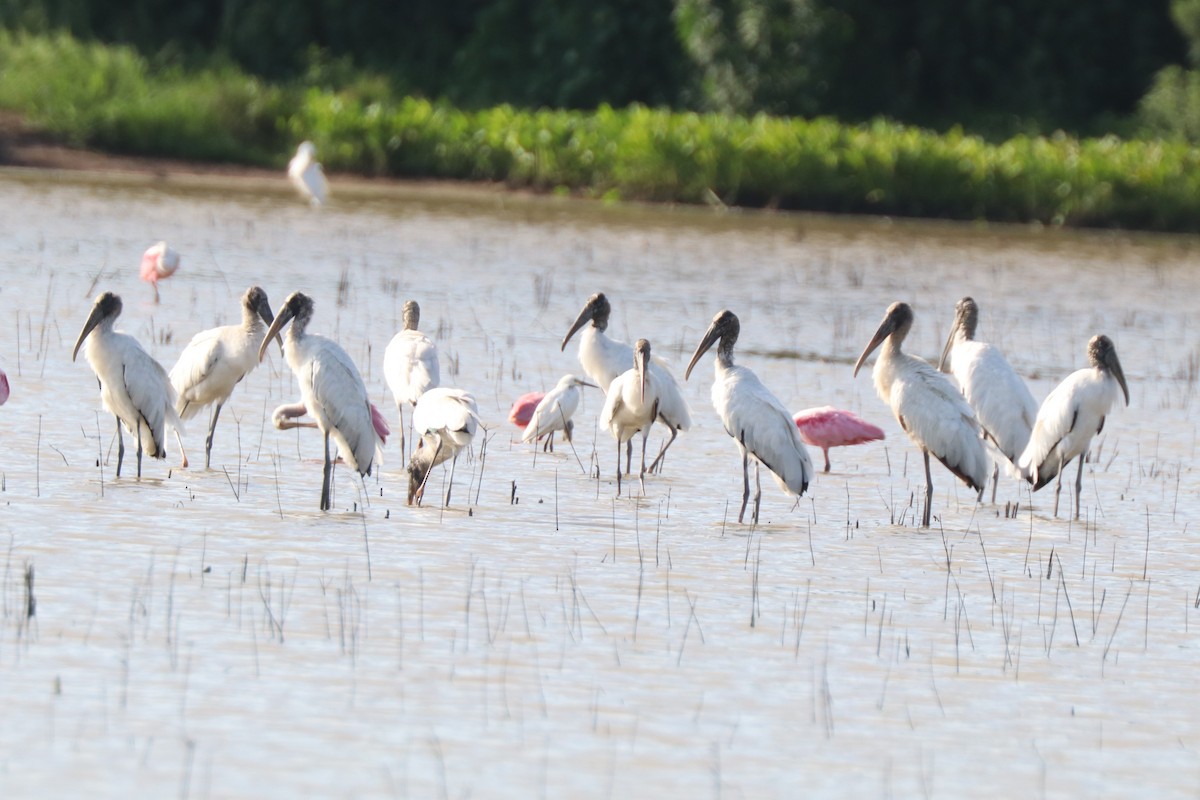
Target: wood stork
[
  {"x": 307, "y": 176},
  {"x": 1003, "y": 404},
  {"x": 928, "y": 407},
  {"x": 410, "y": 364},
  {"x": 158, "y": 262},
  {"x": 757, "y": 421},
  {"x": 446, "y": 420},
  {"x": 216, "y": 360},
  {"x": 554, "y": 412},
  {"x": 631, "y": 405},
  {"x": 827, "y": 427},
  {"x": 133, "y": 386},
  {"x": 603, "y": 359},
  {"x": 1071, "y": 415},
  {"x": 331, "y": 389}
]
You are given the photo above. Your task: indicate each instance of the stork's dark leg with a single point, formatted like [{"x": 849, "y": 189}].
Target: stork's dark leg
[
  {"x": 628, "y": 455},
  {"x": 658, "y": 460},
  {"x": 618, "y": 467},
  {"x": 212, "y": 427},
  {"x": 995, "y": 481},
  {"x": 642, "y": 474},
  {"x": 757, "y": 490},
  {"x": 450, "y": 485},
  {"x": 928, "y": 490},
  {"x": 327, "y": 477},
  {"x": 1079, "y": 483},
  {"x": 139, "y": 449},
  {"x": 745, "y": 483},
  {"x": 1058, "y": 489},
  {"x": 120, "y": 447}
]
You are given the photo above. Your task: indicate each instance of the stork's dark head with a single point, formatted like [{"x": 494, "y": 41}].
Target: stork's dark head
[
  {"x": 1102, "y": 355},
  {"x": 106, "y": 308},
  {"x": 297, "y": 309},
  {"x": 412, "y": 315},
  {"x": 896, "y": 323},
  {"x": 596, "y": 311}
]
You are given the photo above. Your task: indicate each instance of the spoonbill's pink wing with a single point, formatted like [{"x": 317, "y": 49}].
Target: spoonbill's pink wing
[
  {"x": 379, "y": 423},
  {"x": 4, "y": 391},
  {"x": 523, "y": 408},
  {"x": 832, "y": 427}
]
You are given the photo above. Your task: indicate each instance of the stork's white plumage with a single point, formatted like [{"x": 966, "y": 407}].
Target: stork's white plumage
[
  {"x": 631, "y": 405},
  {"x": 1071, "y": 415},
  {"x": 216, "y": 360},
  {"x": 554, "y": 412},
  {"x": 446, "y": 420},
  {"x": 133, "y": 386},
  {"x": 331, "y": 389},
  {"x": 410, "y": 364},
  {"x": 757, "y": 421},
  {"x": 307, "y": 176},
  {"x": 928, "y": 407}
]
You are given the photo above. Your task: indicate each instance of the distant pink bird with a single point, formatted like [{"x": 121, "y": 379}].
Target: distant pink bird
[
  {"x": 4, "y": 391},
  {"x": 159, "y": 261},
  {"x": 287, "y": 416},
  {"x": 523, "y": 407},
  {"x": 827, "y": 427}
]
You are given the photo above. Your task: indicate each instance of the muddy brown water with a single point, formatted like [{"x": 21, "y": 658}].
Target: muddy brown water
[{"x": 211, "y": 634}]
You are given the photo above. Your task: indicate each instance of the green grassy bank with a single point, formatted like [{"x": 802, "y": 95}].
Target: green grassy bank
[{"x": 108, "y": 97}]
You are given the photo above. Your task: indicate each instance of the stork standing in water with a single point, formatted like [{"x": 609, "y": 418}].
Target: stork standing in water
[
  {"x": 1071, "y": 415},
  {"x": 410, "y": 364},
  {"x": 216, "y": 360},
  {"x": 1003, "y": 405},
  {"x": 307, "y": 176},
  {"x": 554, "y": 412},
  {"x": 133, "y": 386},
  {"x": 158, "y": 262},
  {"x": 603, "y": 359},
  {"x": 631, "y": 405},
  {"x": 446, "y": 420},
  {"x": 930, "y": 410},
  {"x": 331, "y": 390},
  {"x": 757, "y": 421}
]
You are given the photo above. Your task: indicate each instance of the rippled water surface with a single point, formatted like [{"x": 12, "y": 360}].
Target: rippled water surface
[{"x": 211, "y": 634}]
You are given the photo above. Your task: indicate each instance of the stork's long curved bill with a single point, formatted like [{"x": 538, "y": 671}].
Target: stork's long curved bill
[
  {"x": 1114, "y": 366},
  {"x": 264, "y": 313},
  {"x": 93, "y": 320},
  {"x": 585, "y": 316},
  {"x": 284, "y": 317},
  {"x": 949, "y": 346},
  {"x": 885, "y": 329},
  {"x": 710, "y": 337}
]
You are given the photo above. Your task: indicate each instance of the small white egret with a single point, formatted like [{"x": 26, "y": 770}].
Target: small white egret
[{"x": 307, "y": 176}]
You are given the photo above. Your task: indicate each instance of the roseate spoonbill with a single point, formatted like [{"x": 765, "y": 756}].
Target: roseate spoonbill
[
  {"x": 446, "y": 420},
  {"x": 1071, "y": 415},
  {"x": 754, "y": 417},
  {"x": 133, "y": 386},
  {"x": 4, "y": 390},
  {"x": 287, "y": 416},
  {"x": 410, "y": 364},
  {"x": 307, "y": 176},
  {"x": 1002, "y": 403},
  {"x": 631, "y": 405},
  {"x": 827, "y": 427},
  {"x": 928, "y": 407},
  {"x": 158, "y": 262},
  {"x": 523, "y": 408},
  {"x": 554, "y": 412},
  {"x": 603, "y": 359},
  {"x": 216, "y": 360},
  {"x": 330, "y": 388}
]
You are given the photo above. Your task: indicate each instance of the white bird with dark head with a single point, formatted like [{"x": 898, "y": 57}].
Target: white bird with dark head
[
  {"x": 133, "y": 386},
  {"x": 631, "y": 405},
  {"x": 603, "y": 359},
  {"x": 757, "y": 421},
  {"x": 216, "y": 360},
  {"x": 1071, "y": 415},
  {"x": 930, "y": 410},
  {"x": 410, "y": 364},
  {"x": 446, "y": 420},
  {"x": 331, "y": 389},
  {"x": 307, "y": 176},
  {"x": 554, "y": 412},
  {"x": 1003, "y": 404}
]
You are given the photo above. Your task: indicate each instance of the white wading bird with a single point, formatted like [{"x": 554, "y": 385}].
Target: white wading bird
[
  {"x": 757, "y": 421},
  {"x": 331, "y": 390},
  {"x": 216, "y": 360},
  {"x": 133, "y": 386},
  {"x": 554, "y": 412},
  {"x": 603, "y": 359},
  {"x": 1071, "y": 415},
  {"x": 158, "y": 262},
  {"x": 410, "y": 364},
  {"x": 307, "y": 176},
  {"x": 631, "y": 405},
  {"x": 1002, "y": 403},
  {"x": 446, "y": 420},
  {"x": 930, "y": 410}
]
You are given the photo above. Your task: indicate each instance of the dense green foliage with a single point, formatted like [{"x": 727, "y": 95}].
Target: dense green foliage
[{"x": 1172, "y": 107}]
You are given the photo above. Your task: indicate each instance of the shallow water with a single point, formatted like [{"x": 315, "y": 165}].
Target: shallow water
[{"x": 211, "y": 634}]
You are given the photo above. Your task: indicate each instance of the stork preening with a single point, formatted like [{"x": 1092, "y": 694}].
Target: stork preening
[
  {"x": 158, "y": 262},
  {"x": 306, "y": 174},
  {"x": 331, "y": 390},
  {"x": 603, "y": 359},
  {"x": 446, "y": 420},
  {"x": 410, "y": 364},
  {"x": 930, "y": 410},
  {"x": 133, "y": 386},
  {"x": 630, "y": 406},
  {"x": 216, "y": 360},
  {"x": 1071, "y": 415},
  {"x": 1003, "y": 404},
  {"x": 753, "y": 417},
  {"x": 554, "y": 412}
]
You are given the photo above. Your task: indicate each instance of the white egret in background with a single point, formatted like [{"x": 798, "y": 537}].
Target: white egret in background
[
  {"x": 631, "y": 405},
  {"x": 410, "y": 364},
  {"x": 158, "y": 262},
  {"x": 1003, "y": 404},
  {"x": 216, "y": 360},
  {"x": 133, "y": 386},
  {"x": 757, "y": 421},
  {"x": 928, "y": 407},
  {"x": 1071, "y": 415},
  {"x": 331, "y": 390},
  {"x": 446, "y": 420},
  {"x": 554, "y": 412},
  {"x": 307, "y": 176},
  {"x": 603, "y": 359}
]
